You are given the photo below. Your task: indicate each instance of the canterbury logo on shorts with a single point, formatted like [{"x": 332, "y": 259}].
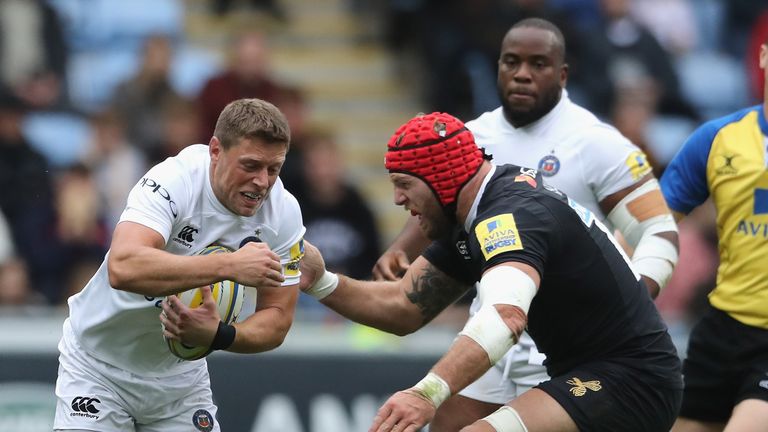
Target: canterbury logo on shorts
[{"x": 85, "y": 407}]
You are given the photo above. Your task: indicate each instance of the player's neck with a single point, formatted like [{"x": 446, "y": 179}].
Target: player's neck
[{"x": 469, "y": 192}]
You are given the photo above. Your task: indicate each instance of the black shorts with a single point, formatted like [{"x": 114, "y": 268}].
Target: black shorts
[
  {"x": 727, "y": 362},
  {"x": 609, "y": 396}
]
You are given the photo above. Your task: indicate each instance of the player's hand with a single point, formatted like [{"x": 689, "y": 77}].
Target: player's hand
[
  {"x": 405, "y": 411},
  {"x": 192, "y": 327},
  {"x": 257, "y": 266},
  {"x": 312, "y": 266},
  {"x": 392, "y": 265}
]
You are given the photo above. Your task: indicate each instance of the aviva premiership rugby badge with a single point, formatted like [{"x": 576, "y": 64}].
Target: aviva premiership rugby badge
[
  {"x": 497, "y": 235},
  {"x": 638, "y": 164},
  {"x": 549, "y": 165}
]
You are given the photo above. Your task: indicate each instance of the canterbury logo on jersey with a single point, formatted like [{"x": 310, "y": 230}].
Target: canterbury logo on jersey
[
  {"x": 580, "y": 387},
  {"x": 185, "y": 237},
  {"x": 186, "y": 233},
  {"x": 84, "y": 406}
]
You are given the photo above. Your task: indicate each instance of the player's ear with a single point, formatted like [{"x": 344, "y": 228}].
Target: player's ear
[
  {"x": 764, "y": 56},
  {"x": 214, "y": 148}
]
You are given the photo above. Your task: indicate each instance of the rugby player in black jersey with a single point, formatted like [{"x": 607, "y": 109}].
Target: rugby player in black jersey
[{"x": 544, "y": 263}]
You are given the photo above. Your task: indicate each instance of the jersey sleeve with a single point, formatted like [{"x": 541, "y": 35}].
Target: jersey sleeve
[
  {"x": 684, "y": 183},
  {"x": 612, "y": 162},
  {"x": 520, "y": 229},
  {"x": 157, "y": 199},
  {"x": 442, "y": 255},
  {"x": 290, "y": 244}
]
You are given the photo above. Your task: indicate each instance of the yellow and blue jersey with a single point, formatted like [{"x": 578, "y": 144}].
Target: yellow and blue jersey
[{"x": 727, "y": 159}]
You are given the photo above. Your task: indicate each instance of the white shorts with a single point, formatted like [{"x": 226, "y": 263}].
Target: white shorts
[
  {"x": 519, "y": 370},
  {"x": 93, "y": 395}
]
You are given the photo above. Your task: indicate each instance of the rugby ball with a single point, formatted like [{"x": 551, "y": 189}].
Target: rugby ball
[{"x": 228, "y": 296}]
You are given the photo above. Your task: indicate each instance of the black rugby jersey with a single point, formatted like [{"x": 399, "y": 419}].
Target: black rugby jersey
[{"x": 590, "y": 304}]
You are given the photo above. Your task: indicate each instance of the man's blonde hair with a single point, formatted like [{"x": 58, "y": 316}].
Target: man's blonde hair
[{"x": 251, "y": 119}]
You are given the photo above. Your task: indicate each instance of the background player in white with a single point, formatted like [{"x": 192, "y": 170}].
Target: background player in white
[
  {"x": 115, "y": 370},
  {"x": 538, "y": 126}
]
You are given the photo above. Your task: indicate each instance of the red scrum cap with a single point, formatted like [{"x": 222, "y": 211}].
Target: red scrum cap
[{"x": 437, "y": 148}]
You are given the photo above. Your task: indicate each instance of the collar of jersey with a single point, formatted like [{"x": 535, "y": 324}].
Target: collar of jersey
[
  {"x": 761, "y": 120},
  {"x": 472, "y": 215}
]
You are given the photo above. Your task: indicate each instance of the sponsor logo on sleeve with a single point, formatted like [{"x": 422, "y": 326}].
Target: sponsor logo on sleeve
[
  {"x": 726, "y": 164},
  {"x": 638, "y": 164},
  {"x": 497, "y": 235},
  {"x": 158, "y": 189},
  {"x": 297, "y": 253}
]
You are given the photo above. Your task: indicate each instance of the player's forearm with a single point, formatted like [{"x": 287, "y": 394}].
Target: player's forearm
[
  {"x": 263, "y": 331},
  {"x": 153, "y": 272},
  {"x": 379, "y": 304},
  {"x": 411, "y": 239},
  {"x": 464, "y": 363}
]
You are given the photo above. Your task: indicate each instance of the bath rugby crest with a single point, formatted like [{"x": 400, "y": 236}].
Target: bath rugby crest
[{"x": 549, "y": 165}]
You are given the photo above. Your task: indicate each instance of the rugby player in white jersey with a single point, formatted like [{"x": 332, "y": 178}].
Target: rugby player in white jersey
[
  {"x": 116, "y": 372},
  {"x": 538, "y": 126}
]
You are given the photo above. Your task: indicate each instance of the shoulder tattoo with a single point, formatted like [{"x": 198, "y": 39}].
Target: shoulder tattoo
[{"x": 433, "y": 291}]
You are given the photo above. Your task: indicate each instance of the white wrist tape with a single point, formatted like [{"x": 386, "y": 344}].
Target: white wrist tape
[
  {"x": 433, "y": 388},
  {"x": 488, "y": 329},
  {"x": 506, "y": 419},
  {"x": 324, "y": 286},
  {"x": 655, "y": 258}
]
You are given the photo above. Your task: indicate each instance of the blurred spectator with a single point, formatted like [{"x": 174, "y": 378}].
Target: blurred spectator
[
  {"x": 272, "y": 7},
  {"x": 633, "y": 110},
  {"x": 15, "y": 287},
  {"x": 180, "y": 128},
  {"x": 115, "y": 164},
  {"x": 139, "y": 100},
  {"x": 684, "y": 298},
  {"x": 338, "y": 220},
  {"x": 292, "y": 102},
  {"x": 247, "y": 77},
  {"x": 27, "y": 198},
  {"x": 14, "y": 282},
  {"x": 33, "y": 53},
  {"x": 672, "y": 23},
  {"x": 740, "y": 19},
  {"x": 636, "y": 54},
  {"x": 80, "y": 227},
  {"x": 757, "y": 37}
]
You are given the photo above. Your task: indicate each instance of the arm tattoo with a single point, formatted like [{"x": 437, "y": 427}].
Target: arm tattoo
[{"x": 433, "y": 291}]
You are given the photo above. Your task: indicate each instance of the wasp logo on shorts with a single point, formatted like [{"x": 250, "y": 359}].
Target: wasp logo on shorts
[
  {"x": 84, "y": 406},
  {"x": 497, "y": 235},
  {"x": 580, "y": 387},
  {"x": 203, "y": 420}
]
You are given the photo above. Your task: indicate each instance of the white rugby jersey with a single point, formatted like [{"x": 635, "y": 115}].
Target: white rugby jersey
[
  {"x": 574, "y": 151},
  {"x": 175, "y": 199}
]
